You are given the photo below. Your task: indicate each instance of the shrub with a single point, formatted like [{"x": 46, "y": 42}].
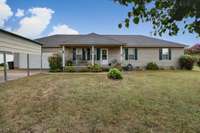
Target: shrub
[
  {"x": 2, "y": 64},
  {"x": 69, "y": 69},
  {"x": 186, "y": 62},
  {"x": 95, "y": 68},
  {"x": 152, "y": 66},
  {"x": 55, "y": 63},
  {"x": 198, "y": 62},
  {"x": 114, "y": 73},
  {"x": 129, "y": 67},
  {"x": 69, "y": 63},
  {"x": 106, "y": 69}
]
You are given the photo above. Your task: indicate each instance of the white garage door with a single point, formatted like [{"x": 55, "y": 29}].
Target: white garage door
[{"x": 35, "y": 61}]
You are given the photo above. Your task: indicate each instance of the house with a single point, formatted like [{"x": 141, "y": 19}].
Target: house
[{"x": 93, "y": 48}]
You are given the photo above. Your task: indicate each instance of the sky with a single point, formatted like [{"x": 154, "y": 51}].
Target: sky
[{"x": 39, "y": 18}]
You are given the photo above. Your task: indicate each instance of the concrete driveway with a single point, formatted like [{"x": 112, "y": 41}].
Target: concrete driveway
[{"x": 16, "y": 74}]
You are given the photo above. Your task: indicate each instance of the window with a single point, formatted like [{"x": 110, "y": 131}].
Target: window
[
  {"x": 83, "y": 54},
  {"x": 98, "y": 51},
  {"x": 130, "y": 53},
  {"x": 79, "y": 54},
  {"x": 165, "y": 54},
  {"x": 88, "y": 54},
  {"x": 74, "y": 53},
  {"x": 104, "y": 54}
]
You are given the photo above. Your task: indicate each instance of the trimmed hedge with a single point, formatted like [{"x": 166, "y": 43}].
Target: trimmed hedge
[
  {"x": 95, "y": 68},
  {"x": 186, "y": 62},
  {"x": 152, "y": 66},
  {"x": 55, "y": 63},
  {"x": 114, "y": 73}
]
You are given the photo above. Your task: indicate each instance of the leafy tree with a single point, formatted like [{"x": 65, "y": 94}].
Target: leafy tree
[
  {"x": 193, "y": 50},
  {"x": 165, "y": 15}
]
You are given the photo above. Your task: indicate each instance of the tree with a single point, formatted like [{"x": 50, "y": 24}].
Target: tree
[
  {"x": 193, "y": 50},
  {"x": 165, "y": 15}
]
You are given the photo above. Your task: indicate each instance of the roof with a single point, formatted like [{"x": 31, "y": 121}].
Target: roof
[
  {"x": 96, "y": 39},
  {"x": 18, "y": 36}
]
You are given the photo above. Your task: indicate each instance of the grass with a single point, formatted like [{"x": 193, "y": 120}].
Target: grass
[
  {"x": 160, "y": 101},
  {"x": 1, "y": 68}
]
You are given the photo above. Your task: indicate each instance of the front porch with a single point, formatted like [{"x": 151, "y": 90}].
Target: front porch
[{"x": 82, "y": 56}]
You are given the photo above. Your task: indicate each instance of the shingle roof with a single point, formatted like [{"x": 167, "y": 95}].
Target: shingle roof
[{"x": 96, "y": 39}]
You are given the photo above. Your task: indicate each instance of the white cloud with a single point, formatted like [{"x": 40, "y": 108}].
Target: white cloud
[
  {"x": 19, "y": 13},
  {"x": 5, "y": 12},
  {"x": 63, "y": 29},
  {"x": 32, "y": 26}
]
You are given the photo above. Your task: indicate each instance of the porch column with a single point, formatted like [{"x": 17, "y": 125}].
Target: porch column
[
  {"x": 5, "y": 67},
  {"x": 63, "y": 57},
  {"x": 121, "y": 54},
  {"x": 28, "y": 67},
  {"x": 92, "y": 55},
  {"x": 41, "y": 61}
]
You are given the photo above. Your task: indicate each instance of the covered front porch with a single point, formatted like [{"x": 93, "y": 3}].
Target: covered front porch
[{"x": 85, "y": 55}]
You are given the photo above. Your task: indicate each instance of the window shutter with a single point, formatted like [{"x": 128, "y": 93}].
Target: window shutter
[
  {"x": 98, "y": 53},
  {"x": 160, "y": 53},
  {"x": 136, "y": 53},
  {"x": 83, "y": 54},
  {"x": 126, "y": 53},
  {"x": 74, "y": 53},
  {"x": 88, "y": 54},
  {"x": 170, "y": 54}
]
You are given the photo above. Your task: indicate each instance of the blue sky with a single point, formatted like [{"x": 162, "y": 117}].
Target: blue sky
[{"x": 76, "y": 16}]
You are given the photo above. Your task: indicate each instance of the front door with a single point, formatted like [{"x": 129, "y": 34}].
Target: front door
[{"x": 104, "y": 56}]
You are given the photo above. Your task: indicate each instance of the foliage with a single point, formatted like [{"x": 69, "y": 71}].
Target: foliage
[
  {"x": 198, "y": 62},
  {"x": 95, "y": 68},
  {"x": 193, "y": 50},
  {"x": 186, "y": 62},
  {"x": 129, "y": 67},
  {"x": 69, "y": 63},
  {"x": 165, "y": 15},
  {"x": 69, "y": 69},
  {"x": 105, "y": 69},
  {"x": 1, "y": 64},
  {"x": 55, "y": 63},
  {"x": 152, "y": 66},
  {"x": 114, "y": 73}
]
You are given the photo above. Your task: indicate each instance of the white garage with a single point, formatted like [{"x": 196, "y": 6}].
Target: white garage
[
  {"x": 14, "y": 44},
  {"x": 20, "y": 61}
]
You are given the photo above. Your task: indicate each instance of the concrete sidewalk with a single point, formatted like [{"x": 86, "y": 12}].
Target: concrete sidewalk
[{"x": 16, "y": 74}]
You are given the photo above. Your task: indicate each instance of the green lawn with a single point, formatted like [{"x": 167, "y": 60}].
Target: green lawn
[{"x": 160, "y": 101}]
